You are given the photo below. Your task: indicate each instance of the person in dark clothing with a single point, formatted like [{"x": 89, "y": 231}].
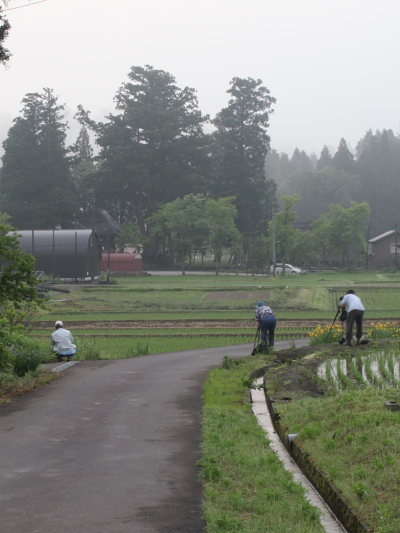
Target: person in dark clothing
[{"x": 267, "y": 322}]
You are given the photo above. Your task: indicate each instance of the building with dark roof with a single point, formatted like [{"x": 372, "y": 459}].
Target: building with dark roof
[{"x": 384, "y": 250}]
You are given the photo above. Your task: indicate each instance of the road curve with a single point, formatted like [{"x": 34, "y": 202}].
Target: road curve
[{"x": 111, "y": 447}]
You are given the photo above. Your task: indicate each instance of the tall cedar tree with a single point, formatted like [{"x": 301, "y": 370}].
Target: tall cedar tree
[
  {"x": 153, "y": 150},
  {"x": 241, "y": 146},
  {"x": 325, "y": 159},
  {"x": 36, "y": 187},
  {"x": 83, "y": 169},
  {"x": 343, "y": 158}
]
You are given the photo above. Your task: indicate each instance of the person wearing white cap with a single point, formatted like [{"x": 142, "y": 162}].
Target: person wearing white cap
[{"x": 62, "y": 342}]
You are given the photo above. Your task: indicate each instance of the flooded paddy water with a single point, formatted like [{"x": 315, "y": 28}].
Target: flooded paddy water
[{"x": 378, "y": 368}]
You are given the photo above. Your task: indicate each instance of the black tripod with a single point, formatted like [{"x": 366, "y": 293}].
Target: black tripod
[
  {"x": 342, "y": 318},
  {"x": 333, "y": 323}
]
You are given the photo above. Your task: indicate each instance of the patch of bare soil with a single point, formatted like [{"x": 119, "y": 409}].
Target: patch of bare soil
[
  {"x": 226, "y": 295},
  {"x": 294, "y": 372}
]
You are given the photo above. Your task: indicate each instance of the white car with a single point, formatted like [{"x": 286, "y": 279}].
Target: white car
[{"x": 289, "y": 269}]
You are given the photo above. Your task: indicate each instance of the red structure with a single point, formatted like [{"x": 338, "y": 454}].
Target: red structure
[{"x": 121, "y": 263}]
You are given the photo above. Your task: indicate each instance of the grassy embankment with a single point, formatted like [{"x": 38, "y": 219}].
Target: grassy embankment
[
  {"x": 349, "y": 433},
  {"x": 355, "y": 441},
  {"x": 246, "y": 489}
]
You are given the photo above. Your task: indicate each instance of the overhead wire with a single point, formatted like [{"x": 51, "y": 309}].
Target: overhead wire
[{"x": 24, "y": 5}]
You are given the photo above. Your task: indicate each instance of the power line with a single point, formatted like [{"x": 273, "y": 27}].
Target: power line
[{"x": 24, "y": 5}]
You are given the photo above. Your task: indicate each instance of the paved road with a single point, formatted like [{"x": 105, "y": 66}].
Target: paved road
[{"x": 111, "y": 447}]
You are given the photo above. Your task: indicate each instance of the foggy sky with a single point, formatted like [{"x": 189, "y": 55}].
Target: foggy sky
[{"x": 332, "y": 65}]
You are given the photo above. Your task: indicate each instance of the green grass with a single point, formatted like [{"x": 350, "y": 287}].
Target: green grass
[
  {"x": 12, "y": 386},
  {"x": 355, "y": 441},
  {"x": 246, "y": 488},
  {"x": 197, "y": 297},
  {"x": 121, "y": 348}
]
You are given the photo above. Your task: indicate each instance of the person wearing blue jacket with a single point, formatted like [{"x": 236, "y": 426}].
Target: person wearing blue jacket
[{"x": 267, "y": 322}]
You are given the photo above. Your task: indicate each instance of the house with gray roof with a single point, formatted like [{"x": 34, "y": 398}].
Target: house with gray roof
[{"x": 384, "y": 250}]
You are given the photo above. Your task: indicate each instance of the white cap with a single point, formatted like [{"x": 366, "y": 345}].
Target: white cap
[{"x": 59, "y": 323}]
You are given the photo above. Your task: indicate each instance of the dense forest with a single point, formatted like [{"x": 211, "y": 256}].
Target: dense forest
[
  {"x": 180, "y": 191},
  {"x": 370, "y": 175}
]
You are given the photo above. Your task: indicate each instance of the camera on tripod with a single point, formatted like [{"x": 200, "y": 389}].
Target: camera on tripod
[{"x": 343, "y": 312}]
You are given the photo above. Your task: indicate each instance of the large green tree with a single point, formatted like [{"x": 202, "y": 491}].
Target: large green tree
[
  {"x": 241, "y": 146},
  {"x": 343, "y": 158},
  {"x": 36, "y": 188},
  {"x": 180, "y": 227},
  {"x": 153, "y": 148},
  {"x": 83, "y": 170},
  {"x": 194, "y": 223},
  {"x": 341, "y": 233},
  {"x": 220, "y": 215}
]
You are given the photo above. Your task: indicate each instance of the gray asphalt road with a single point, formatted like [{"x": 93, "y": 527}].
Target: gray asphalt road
[{"x": 109, "y": 447}]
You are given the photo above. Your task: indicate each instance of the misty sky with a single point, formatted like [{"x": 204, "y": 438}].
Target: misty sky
[{"x": 332, "y": 65}]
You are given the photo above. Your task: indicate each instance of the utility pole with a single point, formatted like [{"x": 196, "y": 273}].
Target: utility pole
[{"x": 273, "y": 245}]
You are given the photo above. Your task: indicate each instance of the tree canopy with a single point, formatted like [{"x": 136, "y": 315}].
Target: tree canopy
[
  {"x": 152, "y": 149},
  {"x": 241, "y": 145},
  {"x": 18, "y": 282},
  {"x": 36, "y": 187},
  {"x": 194, "y": 223}
]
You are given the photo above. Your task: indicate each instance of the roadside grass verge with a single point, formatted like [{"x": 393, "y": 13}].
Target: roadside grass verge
[
  {"x": 12, "y": 386},
  {"x": 246, "y": 488},
  {"x": 125, "y": 347},
  {"x": 354, "y": 439}
]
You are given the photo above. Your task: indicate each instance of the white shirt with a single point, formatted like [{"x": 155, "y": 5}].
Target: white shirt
[
  {"x": 352, "y": 302},
  {"x": 62, "y": 341}
]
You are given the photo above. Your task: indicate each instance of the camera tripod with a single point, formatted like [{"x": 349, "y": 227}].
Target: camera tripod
[{"x": 342, "y": 318}]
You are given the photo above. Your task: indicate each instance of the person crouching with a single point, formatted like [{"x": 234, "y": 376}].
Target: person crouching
[
  {"x": 267, "y": 323},
  {"x": 62, "y": 342}
]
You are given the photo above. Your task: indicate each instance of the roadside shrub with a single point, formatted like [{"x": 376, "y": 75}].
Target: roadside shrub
[
  {"x": 88, "y": 351},
  {"x": 9, "y": 336},
  {"x": 142, "y": 348},
  {"x": 27, "y": 356}
]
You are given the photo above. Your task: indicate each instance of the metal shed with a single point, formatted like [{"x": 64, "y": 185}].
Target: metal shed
[{"x": 64, "y": 253}]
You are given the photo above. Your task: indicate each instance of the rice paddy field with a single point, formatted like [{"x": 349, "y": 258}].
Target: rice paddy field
[
  {"x": 347, "y": 431},
  {"x": 166, "y": 313}
]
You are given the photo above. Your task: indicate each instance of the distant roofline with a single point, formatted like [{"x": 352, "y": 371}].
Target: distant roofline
[{"x": 383, "y": 235}]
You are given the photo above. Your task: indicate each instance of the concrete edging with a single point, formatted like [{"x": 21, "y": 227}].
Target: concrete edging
[{"x": 345, "y": 514}]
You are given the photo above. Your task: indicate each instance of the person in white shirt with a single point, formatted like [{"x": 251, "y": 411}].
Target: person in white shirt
[
  {"x": 62, "y": 342},
  {"x": 355, "y": 313}
]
